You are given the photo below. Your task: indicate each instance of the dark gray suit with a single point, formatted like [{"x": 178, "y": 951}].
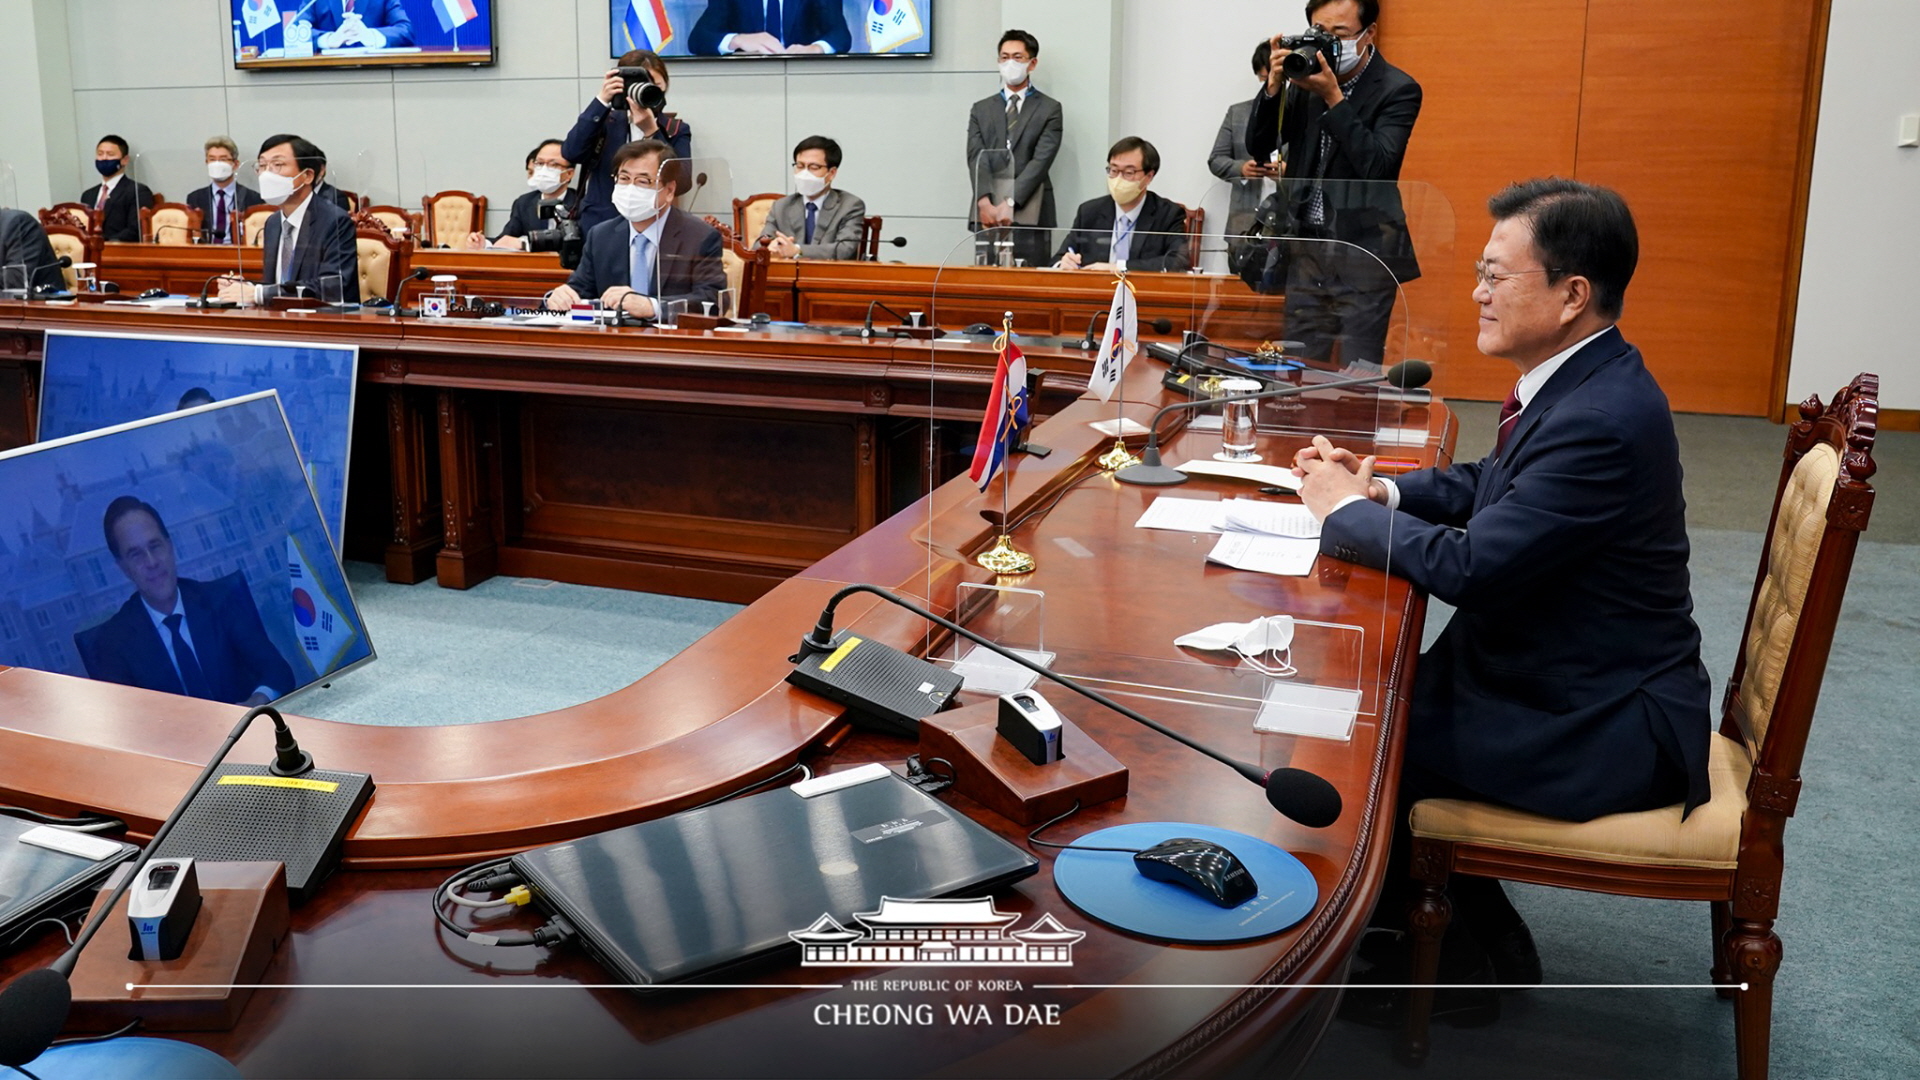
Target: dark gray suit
[
  {"x": 23, "y": 241},
  {"x": 1229, "y": 153},
  {"x": 837, "y": 224},
  {"x": 1034, "y": 143}
]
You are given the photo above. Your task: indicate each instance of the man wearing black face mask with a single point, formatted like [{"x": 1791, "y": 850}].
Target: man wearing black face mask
[
  {"x": 118, "y": 197},
  {"x": 1343, "y": 132},
  {"x": 321, "y": 233}
]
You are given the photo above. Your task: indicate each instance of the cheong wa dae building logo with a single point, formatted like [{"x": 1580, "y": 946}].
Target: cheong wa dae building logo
[{"x": 936, "y": 933}]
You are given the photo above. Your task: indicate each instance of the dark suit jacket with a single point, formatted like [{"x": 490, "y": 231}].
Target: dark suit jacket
[
  {"x": 1370, "y": 131},
  {"x": 328, "y": 193},
  {"x": 228, "y": 639},
  {"x": 122, "y": 219},
  {"x": 524, "y": 217},
  {"x": 323, "y": 245},
  {"x": 23, "y": 241},
  {"x": 804, "y": 22},
  {"x": 387, "y": 16},
  {"x": 1036, "y": 142},
  {"x": 689, "y": 266},
  {"x": 599, "y": 131},
  {"x": 201, "y": 199},
  {"x": 1569, "y": 681},
  {"x": 1159, "y": 236}
]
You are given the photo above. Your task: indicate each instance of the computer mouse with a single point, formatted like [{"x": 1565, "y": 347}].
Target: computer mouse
[
  {"x": 981, "y": 329},
  {"x": 152, "y": 294},
  {"x": 1197, "y": 866}
]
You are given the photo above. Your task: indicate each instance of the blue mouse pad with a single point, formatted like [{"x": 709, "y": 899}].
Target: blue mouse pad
[
  {"x": 1105, "y": 885},
  {"x": 149, "y": 1059}
]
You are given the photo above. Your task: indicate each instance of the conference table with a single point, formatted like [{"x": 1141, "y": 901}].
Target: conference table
[{"x": 366, "y": 984}]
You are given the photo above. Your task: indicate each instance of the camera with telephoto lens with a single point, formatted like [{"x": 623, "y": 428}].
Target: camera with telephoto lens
[
  {"x": 564, "y": 235},
  {"x": 640, "y": 89},
  {"x": 1307, "y": 49}
]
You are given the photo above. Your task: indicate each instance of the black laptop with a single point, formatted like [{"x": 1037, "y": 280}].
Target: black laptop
[
  {"x": 38, "y": 882},
  {"x": 677, "y": 898}
]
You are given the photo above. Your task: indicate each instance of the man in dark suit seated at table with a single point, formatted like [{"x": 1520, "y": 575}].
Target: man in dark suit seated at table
[
  {"x": 1569, "y": 682},
  {"x": 652, "y": 254},
  {"x": 549, "y": 174},
  {"x": 174, "y": 634},
  {"x": 118, "y": 196},
  {"x": 1129, "y": 226},
  {"x": 323, "y": 240},
  {"x": 770, "y": 27},
  {"x": 372, "y": 24},
  {"x": 225, "y": 201},
  {"x": 24, "y": 243}
]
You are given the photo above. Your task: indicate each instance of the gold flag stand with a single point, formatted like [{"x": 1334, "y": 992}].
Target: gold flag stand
[{"x": 1003, "y": 558}]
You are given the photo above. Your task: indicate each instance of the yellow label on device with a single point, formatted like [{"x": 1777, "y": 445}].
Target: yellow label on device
[
  {"x": 283, "y": 781},
  {"x": 839, "y": 654}
]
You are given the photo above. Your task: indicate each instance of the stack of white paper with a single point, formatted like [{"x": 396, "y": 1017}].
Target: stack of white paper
[{"x": 1284, "y": 555}]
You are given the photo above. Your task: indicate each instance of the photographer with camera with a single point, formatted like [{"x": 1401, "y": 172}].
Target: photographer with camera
[
  {"x": 1341, "y": 117},
  {"x": 630, "y": 107},
  {"x": 540, "y": 218}
]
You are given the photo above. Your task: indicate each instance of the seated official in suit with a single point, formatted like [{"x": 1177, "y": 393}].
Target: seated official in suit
[
  {"x": 225, "y": 202},
  {"x": 1569, "y": 681},
  {"x": 770, "y": 27},
  {"x": 817, "y": 221},
  {"x": 548, "y": 174},
  {"x": 653, "y": 254},
  {"x": 372, "y": 24},
  {"x": 174, "y": 634},
  {"x": 611, "y": 121},
  {"x": 117, "y": 196},
  {"x": 1131, "y": 227},
  {"x": 24, "y": 243},
  {"x": 322, "y": 234}
]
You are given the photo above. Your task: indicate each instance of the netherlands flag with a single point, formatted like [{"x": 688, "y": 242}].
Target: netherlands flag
[
  {"x": 646, "y": 24},
  {"x": 454, "y": 13},
  {"x": 1006, "y": 415}
]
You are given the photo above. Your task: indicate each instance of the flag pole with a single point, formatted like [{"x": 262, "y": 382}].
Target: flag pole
[
  {"x": 1119, "y": 457},
  {"x": 1003, "y": 558}
]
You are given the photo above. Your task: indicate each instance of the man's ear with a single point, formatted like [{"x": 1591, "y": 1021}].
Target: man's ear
[{"x": 1579, "y": 297}]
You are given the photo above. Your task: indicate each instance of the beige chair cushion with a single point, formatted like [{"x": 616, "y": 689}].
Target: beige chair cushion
[
  {"x": 1798, "y": 527},
  {"x": 753, "y": 218},
  {"x": 254, "y": 223},
  {"x": 735, "y": 266},
  {"x": 376, "y": 264},
  {"x": 1708, "y": 839},
  {"x": 452, "y": 219},
  {"x": 74, "y": 248},
  {"x": 397, "y": 224},
  {"x": 171, "y": 226}
]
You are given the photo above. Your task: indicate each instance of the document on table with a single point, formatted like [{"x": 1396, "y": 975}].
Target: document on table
[
  {"x": 1270, "y": 518},
  {"x": 1182, "y": 515},
  {"x": 1284, "y": 555},
  {"x": 536, "y": 319},
  {"x": 1116, "y": 429},
  {"x": 1277, "y": 475}
]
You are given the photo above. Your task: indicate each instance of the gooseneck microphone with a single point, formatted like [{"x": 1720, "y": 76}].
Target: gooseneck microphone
[
  {"x": 207, "y": 287},
  {"x": 867, "y": 330},
  {"x": 1300, "y": 795},
  {"x": 33, "y": 272},
  {"x": 34, "y": 1007},
  {"x": 1087, "y": 340},
  {"x": 1405, "y": 375}
]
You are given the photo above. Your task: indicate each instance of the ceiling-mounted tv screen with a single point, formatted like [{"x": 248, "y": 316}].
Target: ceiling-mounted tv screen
[
  {"x": 361, "y": 33},
  {"x": 772, "y": 29}
]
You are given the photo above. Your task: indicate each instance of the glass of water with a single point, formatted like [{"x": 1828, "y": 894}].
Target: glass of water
[{"x": 1237, "y": 421}]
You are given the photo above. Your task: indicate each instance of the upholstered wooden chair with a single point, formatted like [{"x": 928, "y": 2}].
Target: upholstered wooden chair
[
  {"x": 1196, "y": 228},
  {"x": 1729, "y": 851},
  {"x": 169, "y": 223},
  {"x": 449, "y": 216},
  {"x": 398, "y": 221},
  {"x": 870, "y": 238},
  {"x": 71, "y": 241},
  {"x": 253, "y": 224},
  {"x": 78, "y": 214},
  {"x": 746, "y": 266},
  {"x": 383, "y": 259},
  {"x": 750, "y": 216}
]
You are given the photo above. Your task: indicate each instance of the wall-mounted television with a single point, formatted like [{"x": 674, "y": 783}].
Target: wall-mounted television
[
  {"x": 739, "y": 30},
  {"x": 273, "y": 34}
]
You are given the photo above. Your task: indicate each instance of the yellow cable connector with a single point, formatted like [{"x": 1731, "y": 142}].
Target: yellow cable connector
[{"x": 518, "y": 896}]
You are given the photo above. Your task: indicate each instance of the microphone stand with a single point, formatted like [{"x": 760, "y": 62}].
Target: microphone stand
[
  {"x": 1406, "y": 375},
  {"x": 867, "y": 330}
]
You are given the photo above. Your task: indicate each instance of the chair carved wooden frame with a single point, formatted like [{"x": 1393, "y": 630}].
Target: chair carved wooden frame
[
  {"x": 77, "y": 214},
  {"x": 1729, "y": 852},
  {"x": 752, "y": 261}
]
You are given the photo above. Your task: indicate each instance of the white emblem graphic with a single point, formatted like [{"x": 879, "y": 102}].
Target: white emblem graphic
[{"x": 952, "y": 933}]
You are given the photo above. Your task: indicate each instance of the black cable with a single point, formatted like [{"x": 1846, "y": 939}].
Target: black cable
[
  {"x": 1034, "y": 836},
  {"x": 737, "y": 792},
  {"x": 22, "y": 1070},
  {"x": 553, "y": 932},
  {"x": 75, "y": 1040},
  {"x": 1031, "y": 514},
  {"x": 84, "y": 821}
]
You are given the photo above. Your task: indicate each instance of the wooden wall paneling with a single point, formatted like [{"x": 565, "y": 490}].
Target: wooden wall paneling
[{"x": 1696, "y": 114}]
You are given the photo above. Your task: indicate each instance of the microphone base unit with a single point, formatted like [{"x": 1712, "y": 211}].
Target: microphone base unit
[
  {"x": 246, "y": 813},
  {"x": 1150, "y": 473},
  {"x": 883, "y": 688}
]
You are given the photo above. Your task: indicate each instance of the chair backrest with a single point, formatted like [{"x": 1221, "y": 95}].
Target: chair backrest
[
  {"x": 79, "y": 215},
  {"x": 169, "y": 223},
  {"x": 746, "y": 267},
  {"x": 382, "y": 259},
  {"x": 449, "y": 216},
  {"x": 400, "y": 222},
  {"x": 1820, "y": 509},
  {"x": 1196, "y": 225},
  {"x": 750, "y": 215},
  {"x": 870, "y": 238},
  {"x": 253, "y": 224},
  {"x": 71, "y": 241}
]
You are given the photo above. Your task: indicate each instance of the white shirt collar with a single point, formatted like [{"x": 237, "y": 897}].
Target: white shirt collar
[
  {"x": 299, "y": 213},
  {"x": 653, "y": 230},
  {"x": 1532, "y": 381},
  {"x": 113, "y": 181},
  {"x": 1020, "y": 93},
  {"x": 226, "y": 186},
  {"x": 1132, "y": 215},
  {"x": 160, "y": 617}
]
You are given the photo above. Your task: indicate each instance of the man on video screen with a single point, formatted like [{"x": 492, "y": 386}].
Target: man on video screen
[{"x": 177, "y": 635}]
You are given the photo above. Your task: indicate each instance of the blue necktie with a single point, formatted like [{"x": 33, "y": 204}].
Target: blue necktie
[
  {"x": 775, "y": 24},
  {"x": 191, "y": 676},
  {"x": 640, "y": 267},
  {"x": 811, "y": 209},
  {"x": 1123, "y": 243}
]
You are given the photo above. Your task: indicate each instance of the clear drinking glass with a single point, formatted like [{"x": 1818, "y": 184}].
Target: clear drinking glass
[{"x": 1237, "y": 421}]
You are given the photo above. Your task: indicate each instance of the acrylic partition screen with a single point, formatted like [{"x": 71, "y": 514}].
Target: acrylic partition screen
[
  {"x": 206, "y": 515},
  {"x": 739, "y": 30},
  {"x": 97, "y": 380}
]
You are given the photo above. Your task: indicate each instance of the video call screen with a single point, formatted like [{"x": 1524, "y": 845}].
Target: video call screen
[
  {"x": 361, "y": 33},
  {"x": 769, "y": 29}
]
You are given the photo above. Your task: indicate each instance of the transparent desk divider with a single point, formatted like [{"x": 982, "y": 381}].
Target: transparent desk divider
[
  {"x": 9, "y": 189},
  {"x": 1011, "y": 617},
  {"x": 359, "y": 174},
  {"x": 703, "y": 187}
]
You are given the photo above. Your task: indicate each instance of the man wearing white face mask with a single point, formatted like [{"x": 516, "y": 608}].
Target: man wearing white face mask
[
  {"x": 549, "y": 175},
  {"x": 223, "y": 203},
  {"x": 817, "y": 221},
  {"x": 1130, "y": 226},
  {"x": 1019, "y": 131},
  {"x": 308, "y": 239},
  {"x": 652, "y": 254}
]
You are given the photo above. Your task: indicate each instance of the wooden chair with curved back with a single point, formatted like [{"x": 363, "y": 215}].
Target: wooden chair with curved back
[
  {"x": 1729, "y": 851},
  {"x": 750, "y": 215},
  {"x": 77, "y": 214},
  {"x": 399, "y": 222},
  {"x": 169, "y": 223},
  {"x": 449, "y": 217},
  {"x": 746, "y": 266},
  {"x": 253, "y": 224},
  {"x": 1196, "y": 227},
  {"x": 73, "y": 242},
  {"x": 870, "y": 238},
  {"x": 383, "y": 261}
]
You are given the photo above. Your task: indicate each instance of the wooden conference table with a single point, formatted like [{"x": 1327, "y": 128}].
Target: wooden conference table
[{"x": 718, "y": 716}]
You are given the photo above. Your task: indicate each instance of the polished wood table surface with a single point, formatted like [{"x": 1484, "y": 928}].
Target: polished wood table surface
[{"x": 719, "y": 715}]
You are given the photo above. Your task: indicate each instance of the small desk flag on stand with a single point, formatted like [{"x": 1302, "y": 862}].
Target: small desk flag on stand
[
  {"x": 1122, "y": 341},
  {"x": 1006, "y": 415}
]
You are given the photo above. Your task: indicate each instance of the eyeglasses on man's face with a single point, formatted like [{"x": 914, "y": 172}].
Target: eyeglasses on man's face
[
  {"x": 635, "y": 180},
  {"x": 1125, "y": 172},
  {"x": 1485, "y": 274}
]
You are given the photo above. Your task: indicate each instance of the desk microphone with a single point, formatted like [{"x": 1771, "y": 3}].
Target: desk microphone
[
  {"x": 867, "y": 330},
  {"x": 1300, "y": 795},
  {"x": 33, "y": 290},
  {"x": 1087, "y": 340},
  {"x": 34, "y": 1007},
  {"x": 1405, "y": 375},
  {"x": 897, "y": 241},
  {"x": 206, "y": 287}
]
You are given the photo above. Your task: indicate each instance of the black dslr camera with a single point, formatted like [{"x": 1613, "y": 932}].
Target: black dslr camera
[
  {"x": 641, "y": 90},
  {"x": 564, "y": 235},
  {"x": 1307, "y": 49}
]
